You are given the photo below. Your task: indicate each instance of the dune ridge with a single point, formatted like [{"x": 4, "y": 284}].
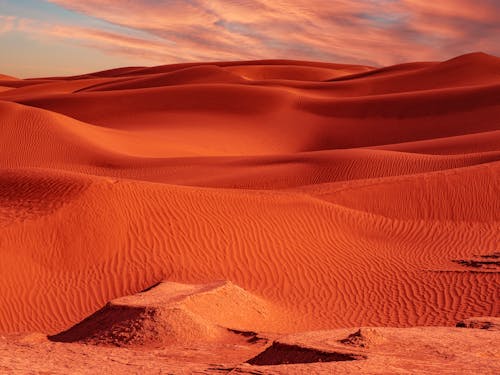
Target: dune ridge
[{"x": 341, "y": 195}]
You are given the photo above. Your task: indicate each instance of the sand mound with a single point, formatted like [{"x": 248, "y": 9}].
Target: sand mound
[
  {"x": 169, "y": 313},
  {"x": 364, "y": 338}
]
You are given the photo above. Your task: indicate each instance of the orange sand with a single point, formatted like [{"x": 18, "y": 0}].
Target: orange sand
[{"x": 342, "y": 195}]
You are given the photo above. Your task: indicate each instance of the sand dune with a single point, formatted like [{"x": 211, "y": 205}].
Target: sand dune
[
  {"x": 86, "y": 148},
  {"x": 198, "y": 235},
  {"x": 284, "y": 65},
  {"x": 330, "y": 195},
  {"x": 236, "y": 116},
  {"x": 5, "y": 77},
  {"x": 467, "y": 70}
]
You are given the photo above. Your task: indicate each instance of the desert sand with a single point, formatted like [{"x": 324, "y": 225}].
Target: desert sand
[{"x": 211, "y": 217}]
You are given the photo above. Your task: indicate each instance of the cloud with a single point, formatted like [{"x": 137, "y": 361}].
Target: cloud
[
  {"x": 7, "y": 23},
  {"x": 366, "y": 31}
]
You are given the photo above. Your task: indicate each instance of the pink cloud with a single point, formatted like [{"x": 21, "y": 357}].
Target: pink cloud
[
  {"x": 366, "y": 31},
  {"x": 153, "y": 49},
  {"x": 7, "y": 23}
]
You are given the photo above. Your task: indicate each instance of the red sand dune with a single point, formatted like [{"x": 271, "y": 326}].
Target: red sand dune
[{"x": 341, "y": 195}]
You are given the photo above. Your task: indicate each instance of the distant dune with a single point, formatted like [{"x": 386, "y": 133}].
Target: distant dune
[{"x": 330, "y": 195}]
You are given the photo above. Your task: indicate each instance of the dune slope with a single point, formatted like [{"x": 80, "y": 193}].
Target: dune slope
[{"x": 339, "y": 195}]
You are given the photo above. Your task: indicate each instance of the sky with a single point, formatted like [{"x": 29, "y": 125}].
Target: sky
[{"x": 65, "y": 37}]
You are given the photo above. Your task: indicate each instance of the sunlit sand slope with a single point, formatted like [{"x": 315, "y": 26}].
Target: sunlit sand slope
[{"x": 339, "y": 195}]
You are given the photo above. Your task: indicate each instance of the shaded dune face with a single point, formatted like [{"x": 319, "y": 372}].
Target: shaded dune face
[{"x": 341, "y": 195}]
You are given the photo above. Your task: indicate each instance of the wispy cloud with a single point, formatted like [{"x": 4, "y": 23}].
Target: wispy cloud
[
  {"x": 7, "y": 23},
  {"x": 366, "y": 31}
]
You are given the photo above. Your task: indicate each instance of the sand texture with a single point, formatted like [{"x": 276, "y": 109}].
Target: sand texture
[{"x": 258, "y": 201}]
